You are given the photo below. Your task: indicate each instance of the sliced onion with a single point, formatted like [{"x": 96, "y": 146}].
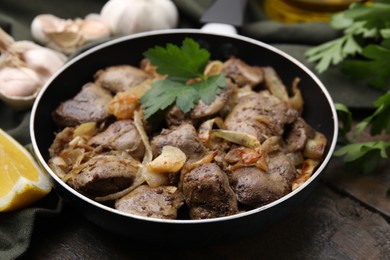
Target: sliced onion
[
  {"x": 58, "y": 166},
  {"x": 245, "y": 157},
  {"x": 306, "y": 171},
  {"x": 275, "y": 84},
  {"x": 296, "y": 101},
  {"x": 155, "y": 179},
  {"x": 86, "y": 130},
  {"x": 271, "y": 144},
  {"x": 152, "y": 179},
  {"x": 123, "y": 105},
  {"x": 191, "y": 164},
  {"x": 239, "y": 138},
  {"x": 171, "y": 160},
  {"x": 148, "y": 156},
  {"x": 315, "y": 147},
  {"x": 213, "y": 68},
  {"x": 206, "y": 127}
]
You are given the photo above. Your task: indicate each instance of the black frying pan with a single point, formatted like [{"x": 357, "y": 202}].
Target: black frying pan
[{"x": 319, "y": 111}]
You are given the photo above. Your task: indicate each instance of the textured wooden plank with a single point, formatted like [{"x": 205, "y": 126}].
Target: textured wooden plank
[
  {"x": 369, "y": 189},
  {"x": 326, "y": 226}
]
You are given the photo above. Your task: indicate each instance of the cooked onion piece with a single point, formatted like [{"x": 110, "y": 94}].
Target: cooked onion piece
[
  {"x": 271, "y": 144},
  {"x": 274, "y": 84},
  {"x": 124, "y": 103},
  {"x": 86, "y": 130},
  {"x": 237, "y": 137},
  {"x": 171, "y": 160},
  {"x": 245, "y": 157},
  {"x": 152, "y": 179},
  {"x": 191, "y": 164},
  {"x": 296, "y": 101},
  {"x": 306, "y": 171},
  {"x": 315, "y": 147},
  {"x": 58, "y": 165},
  {"x": 213, "y": 68},
  {"x": 155, "y": 179},
  {"x": 205, "y": 129}
]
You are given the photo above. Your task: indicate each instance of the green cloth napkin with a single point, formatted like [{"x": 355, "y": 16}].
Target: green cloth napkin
[{"x": 16, "y": 228}]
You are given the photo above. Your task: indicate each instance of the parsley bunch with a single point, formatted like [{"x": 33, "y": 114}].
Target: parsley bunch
[
  {"x": 363, "y": 51},
  {"x": 185, "y": 83},
  {"x": 364, "y": 47}
]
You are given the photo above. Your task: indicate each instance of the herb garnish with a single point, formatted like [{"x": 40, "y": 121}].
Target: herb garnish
[
  {"x": 363, "y": 51},
  {"x": 185, "y": 83}
]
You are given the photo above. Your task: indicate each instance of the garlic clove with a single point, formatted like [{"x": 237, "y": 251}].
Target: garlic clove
[
  {"x": 19, "y": 82},
  {"x": 67, "y": 35},
  {"x": 43, "y": 24},
  {"x": 66, "y": 42},
  {"x": 94, "y": 28},
  {"x": 44, "y": 61},
  {"x": 24, "y": 69}
]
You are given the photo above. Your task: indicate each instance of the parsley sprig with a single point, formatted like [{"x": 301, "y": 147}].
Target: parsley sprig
[
  {"x": 365, "y": 156},
  {"x": 363, "y": 51},
  {"x": 185, "y": 83},
  {"x": 364, "y": 47}
]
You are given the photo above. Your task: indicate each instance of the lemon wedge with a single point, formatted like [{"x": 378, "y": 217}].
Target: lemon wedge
[{"x": 22, "y": 181}]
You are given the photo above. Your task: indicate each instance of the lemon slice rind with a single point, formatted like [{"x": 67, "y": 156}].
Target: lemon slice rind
[{"x": 25, "y": 192}]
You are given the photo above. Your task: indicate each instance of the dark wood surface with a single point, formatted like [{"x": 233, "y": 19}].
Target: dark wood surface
[{"x": 346, "y": 217}]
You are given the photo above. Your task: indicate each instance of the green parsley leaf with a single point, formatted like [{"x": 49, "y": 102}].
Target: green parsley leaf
[
  {"x": 360, "y": 24},
  {"x": 161, "y": 95},
  {"x": 364, "y": 157},
  {"x": 375, "y": 15},
  {"x": 210, "y": 87},
  {"x": 187, "y": 98},
  {"x": 375, "y": 68},
  {"x": 345, "y": 124},
  {"x": 332, "y": 52},
  {"x": 181, "y": 65},
  {"x": 379, "y": 120}
]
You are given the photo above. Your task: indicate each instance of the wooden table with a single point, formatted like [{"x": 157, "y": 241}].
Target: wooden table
[{"x": 346, "y": 217}]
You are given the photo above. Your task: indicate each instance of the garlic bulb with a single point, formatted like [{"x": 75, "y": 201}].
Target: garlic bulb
[
  {"x": 67, "y": 35},
  {"x": 24, "y": 69},
  {"x": 131, "y": 16}
]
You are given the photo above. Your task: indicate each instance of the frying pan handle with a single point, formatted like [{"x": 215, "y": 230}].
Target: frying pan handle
[
  {"x": 223, "y": 16},
  {"x": 219, "y": 28}
]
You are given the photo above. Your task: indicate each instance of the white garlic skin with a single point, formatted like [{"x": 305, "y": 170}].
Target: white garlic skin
[
  {"x": 19, "y": 82},
  {"x": 67, "y": 35},
  {"x": 43, "y": 23},
  {"x": 94, "y": 28},
  {"x": 44, "y": 62},
  {"x": 132, "y": 16}
]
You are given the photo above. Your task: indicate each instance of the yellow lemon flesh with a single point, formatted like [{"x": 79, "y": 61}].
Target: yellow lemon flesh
[{"x": 22, "y": 182}]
